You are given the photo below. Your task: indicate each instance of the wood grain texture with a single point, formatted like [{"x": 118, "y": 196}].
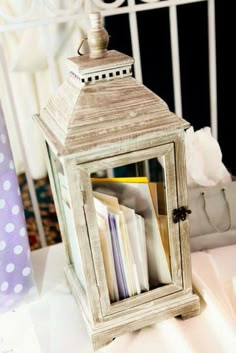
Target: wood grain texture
[
  {"x": 126, "y": 158},
  {"x": 94, "y": 240},
  {"x": 81, "y": 117},
  {"x": 144, "y": 315},
  {"x": 172, "y": 203},
  {"x": 77, "y": 206},
  {"x": 190, "y": 314},
  {"x": 82, "y": 65},
  {"x": 181, "y": 178},
  {"x": 188, "y": 304}
]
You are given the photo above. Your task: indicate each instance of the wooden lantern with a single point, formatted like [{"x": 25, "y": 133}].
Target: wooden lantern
[{"x": 126, "y": 239}]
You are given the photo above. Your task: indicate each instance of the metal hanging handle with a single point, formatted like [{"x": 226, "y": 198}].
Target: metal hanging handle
[{"x": 80, "y": 46}]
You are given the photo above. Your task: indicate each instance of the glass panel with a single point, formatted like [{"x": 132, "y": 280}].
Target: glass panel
[
  {"x": 71, "y": 231},
  {"x": 66, "y": 216},
  {"x": 131, "y": 210}
]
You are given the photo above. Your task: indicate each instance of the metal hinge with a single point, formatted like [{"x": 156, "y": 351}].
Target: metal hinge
[{"x": 180, "y": 214}]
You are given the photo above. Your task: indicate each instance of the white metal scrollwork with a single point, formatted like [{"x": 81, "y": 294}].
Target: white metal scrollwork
[
  {"x": 150, "y": 0},
  {"x": 103, "y": 5}
]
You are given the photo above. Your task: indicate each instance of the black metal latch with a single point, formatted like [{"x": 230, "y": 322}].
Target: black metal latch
[{"x": 179, "y": 214}]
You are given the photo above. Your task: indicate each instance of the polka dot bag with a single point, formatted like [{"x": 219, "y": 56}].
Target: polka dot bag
[{"x": 16, "y": 278}]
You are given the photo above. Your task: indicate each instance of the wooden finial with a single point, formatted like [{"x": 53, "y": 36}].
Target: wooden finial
[{"x": 98, "y": 37}]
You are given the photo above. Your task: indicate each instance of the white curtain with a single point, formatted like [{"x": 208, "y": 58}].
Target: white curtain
[{"x": 31, "y": 79}]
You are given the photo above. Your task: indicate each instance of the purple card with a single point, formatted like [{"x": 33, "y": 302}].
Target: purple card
[{"x": 119, "y": 267}]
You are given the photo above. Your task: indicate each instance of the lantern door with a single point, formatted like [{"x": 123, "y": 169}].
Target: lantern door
[
  {"x": 70, "y": 211},
  {"x": 136, "y": 244}
]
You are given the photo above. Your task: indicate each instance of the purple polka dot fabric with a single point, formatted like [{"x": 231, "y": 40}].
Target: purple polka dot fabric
[{"x": 16, "y": 279}]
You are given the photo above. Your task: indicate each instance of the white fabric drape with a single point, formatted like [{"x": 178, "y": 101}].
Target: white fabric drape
[
  {"x": 26, "y": 55},
  {"x": 213, "y": 331}
]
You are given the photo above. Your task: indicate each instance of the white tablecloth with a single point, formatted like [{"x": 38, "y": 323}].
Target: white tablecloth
[{"x": 55, "y": 325}]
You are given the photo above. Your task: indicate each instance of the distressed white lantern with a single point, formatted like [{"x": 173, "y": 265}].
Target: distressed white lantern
[{"x": 103, "y": 122}]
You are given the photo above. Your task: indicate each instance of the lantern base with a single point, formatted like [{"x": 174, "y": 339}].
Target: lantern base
[{"x": 185, "y": 305}]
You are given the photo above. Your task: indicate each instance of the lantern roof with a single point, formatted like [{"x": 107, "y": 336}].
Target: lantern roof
[{"x": 101, "y": 103}]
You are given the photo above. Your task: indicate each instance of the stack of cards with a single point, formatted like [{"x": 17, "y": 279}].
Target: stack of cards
[{"x": 131, "y": 242}]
